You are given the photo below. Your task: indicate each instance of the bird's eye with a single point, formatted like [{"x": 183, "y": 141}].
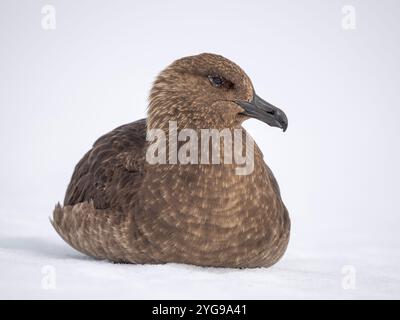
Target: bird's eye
[{"x": 216, "y": 81}]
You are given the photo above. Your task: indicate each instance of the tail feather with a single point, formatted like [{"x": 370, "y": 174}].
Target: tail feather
[{"x": 98, "y": 233}]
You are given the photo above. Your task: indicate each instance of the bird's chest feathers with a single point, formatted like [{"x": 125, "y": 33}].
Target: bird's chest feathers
[
  {"x": 201, "y": 210},
  {"x": 206, "y": 194}
]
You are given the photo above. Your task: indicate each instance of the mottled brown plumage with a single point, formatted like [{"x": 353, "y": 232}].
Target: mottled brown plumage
[{"x": 120, "y": 207}]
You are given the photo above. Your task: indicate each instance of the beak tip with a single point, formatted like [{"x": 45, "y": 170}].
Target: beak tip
[{"x": 284, "y": 125}]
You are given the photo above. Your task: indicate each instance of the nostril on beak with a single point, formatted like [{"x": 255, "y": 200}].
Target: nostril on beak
[{"x": 272, "y": 112}]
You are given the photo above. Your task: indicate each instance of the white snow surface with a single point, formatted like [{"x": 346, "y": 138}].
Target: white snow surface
[{"x": 309, "y": 271}]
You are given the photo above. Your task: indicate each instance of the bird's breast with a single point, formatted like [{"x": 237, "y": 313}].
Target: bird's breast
[{"x": 207, "y": 212}]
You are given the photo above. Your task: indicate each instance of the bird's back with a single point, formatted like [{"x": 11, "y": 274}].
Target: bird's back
[{"x": 110, "y": 173}]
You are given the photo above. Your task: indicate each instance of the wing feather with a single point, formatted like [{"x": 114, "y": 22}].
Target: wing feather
[{"x": 111, "y": 169}]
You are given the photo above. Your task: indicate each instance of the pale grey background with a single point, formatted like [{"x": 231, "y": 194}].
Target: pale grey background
[{"x": 337, "y": 165}]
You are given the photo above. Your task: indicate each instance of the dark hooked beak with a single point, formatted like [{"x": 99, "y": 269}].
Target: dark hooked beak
[{"x": 264, "y": 111}]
